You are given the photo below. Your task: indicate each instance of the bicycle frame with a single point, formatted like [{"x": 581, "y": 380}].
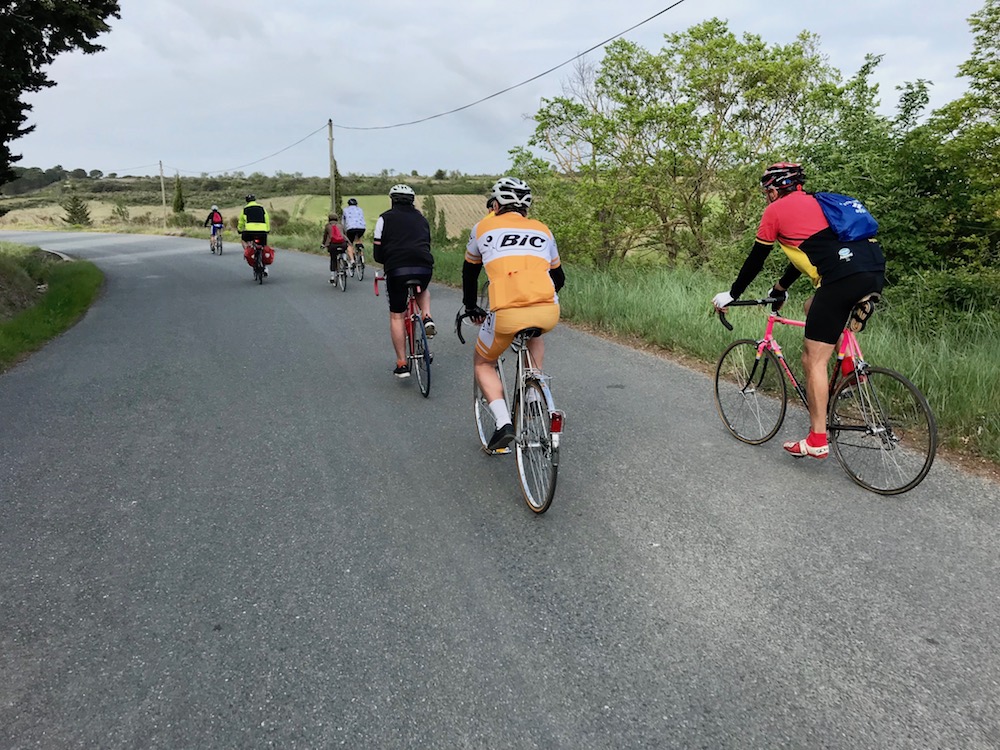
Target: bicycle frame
[
  {"x": 848, "y": 347},
  {"x": 525, "y": 371}
]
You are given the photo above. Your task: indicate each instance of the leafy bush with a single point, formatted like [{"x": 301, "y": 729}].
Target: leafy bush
[
  {"x": 927, "y": 301},
  {"x": 182, "y": 220}
]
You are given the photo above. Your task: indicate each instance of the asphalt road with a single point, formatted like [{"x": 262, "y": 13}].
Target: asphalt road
[{"x": 223, "y": 523}]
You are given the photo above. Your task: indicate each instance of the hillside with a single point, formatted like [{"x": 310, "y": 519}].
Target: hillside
[{"x": 460, "y": 211}]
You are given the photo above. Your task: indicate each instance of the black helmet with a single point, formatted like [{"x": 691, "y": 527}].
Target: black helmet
[
  {"x": 352, "y": 201},
  {"x": 782, "y": 175},
  {"x": 250, "y": 197}
]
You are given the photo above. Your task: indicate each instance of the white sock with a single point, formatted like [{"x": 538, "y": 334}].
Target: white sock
[{"x": 500, "y": 412}]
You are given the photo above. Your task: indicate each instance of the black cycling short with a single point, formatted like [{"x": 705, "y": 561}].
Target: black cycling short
[
  {"x": 395, "y": 285},
  {"x": 833, "y": 302},
  {"x": 251, "y": 236},
  {"x": 355, "y": 234}
]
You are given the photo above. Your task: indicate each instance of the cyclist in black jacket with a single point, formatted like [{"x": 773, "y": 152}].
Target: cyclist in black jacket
[{"x": 402, "y": 244}]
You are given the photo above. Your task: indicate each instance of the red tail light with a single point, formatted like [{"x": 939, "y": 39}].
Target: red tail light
[{"x": 556, "y": 422}]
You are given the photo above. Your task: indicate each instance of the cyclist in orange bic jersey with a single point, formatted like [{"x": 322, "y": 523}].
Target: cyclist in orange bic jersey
[
  {"x": 842, "y": 272},
  {"x": 523, "y": 267}
]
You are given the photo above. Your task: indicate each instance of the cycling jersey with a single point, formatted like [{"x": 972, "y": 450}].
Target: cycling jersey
[
  {"x": 796, "y": 222},
  {"x": 517, "y": 253},
  {"x": 254, "y": 218},
  {"x": 354, "y": 218},
  {"x": 402, "y": 238}
]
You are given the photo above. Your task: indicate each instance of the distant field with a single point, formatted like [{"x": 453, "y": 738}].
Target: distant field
[{"x": 461, "y": 211}]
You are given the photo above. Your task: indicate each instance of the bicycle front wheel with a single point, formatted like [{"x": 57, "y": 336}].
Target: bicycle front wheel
[
  {"x": 537, "y": 455},
  {"x": 420, "y": 356},
  {"x": 882, "y": 431},
  {"x": 750, "y": 392},
  {"x": 486, "y": 423}
]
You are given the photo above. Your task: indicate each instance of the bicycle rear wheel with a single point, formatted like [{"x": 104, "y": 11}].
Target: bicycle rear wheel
[
  {"x": 359, "y": 262},
  {"x": 537, "y": 455},
  {"x": 750, "y": 393},
  {"x": 218, "y": 243},
  {"x": 420, "y": 356},
  {"x": 342, "y": 272},
  {"x": 882, "y": 431},
  {"x": 258, "y": 265}
]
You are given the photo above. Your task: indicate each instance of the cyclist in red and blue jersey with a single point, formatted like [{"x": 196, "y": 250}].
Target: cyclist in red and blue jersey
[
  {"x": 215, "y": 219},
  {"x": 843, "y": 273}
]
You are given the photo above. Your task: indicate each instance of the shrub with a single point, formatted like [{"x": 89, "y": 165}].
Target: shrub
[{"x": 77, "y": 212}]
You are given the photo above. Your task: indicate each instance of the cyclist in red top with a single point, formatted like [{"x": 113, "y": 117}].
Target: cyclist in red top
[{"x": 842, "y": 272}]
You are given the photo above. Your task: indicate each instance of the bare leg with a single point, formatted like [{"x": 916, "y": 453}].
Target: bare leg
[
  {"x": 424, "y": 302},
  {"x": 397, "y": 330},
  {"x": 536, "y": 348},
  {"x": 486, "y": 376},
  {"x": 815, "y": 356}
]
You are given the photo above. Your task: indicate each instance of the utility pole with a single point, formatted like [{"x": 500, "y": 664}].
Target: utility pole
[
  {"x": 163, "y": 194},
  {"x": 333, "y": 170}
]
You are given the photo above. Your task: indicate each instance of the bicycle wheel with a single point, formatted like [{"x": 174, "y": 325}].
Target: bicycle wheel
[
  {"x": 486, "y": 423},
  {"x": 750, "y": 393},
  {"x": 882, "y": 431},
  {"x": 537, "y": 456},
  {"x": 359, "y": 262},
  {"x": 218, "y": 244},
  {"x": 342, "y": 272},
  {"x": 258, "y": 265},
  {"x": 420, "y": 356}
]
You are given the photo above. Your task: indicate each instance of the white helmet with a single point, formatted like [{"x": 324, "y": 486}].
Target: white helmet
[
  {"x": 402, "y": 192},
  {"x": 510, "y": 191},
  {"x": 214, "y": 207}
]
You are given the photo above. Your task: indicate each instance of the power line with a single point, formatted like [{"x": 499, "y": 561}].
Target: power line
[
  {"x": 517, "y": 85},
  {"x": 450, "y": 111},
  {"x": 257, "y": 161}
]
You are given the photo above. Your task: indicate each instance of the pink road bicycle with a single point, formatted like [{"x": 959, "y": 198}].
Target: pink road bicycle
[{"x": 880, "y": 426}]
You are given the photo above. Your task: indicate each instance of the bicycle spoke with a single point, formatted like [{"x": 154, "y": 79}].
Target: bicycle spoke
[
  {"x": 420, "y": 361},
  {"x": 537, "y": 455},
  {"x": 882, "y": 431},
  {"x": 750, "y": 393}
]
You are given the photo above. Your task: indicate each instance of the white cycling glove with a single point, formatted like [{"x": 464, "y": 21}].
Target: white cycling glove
[{"x": 721, "y": 300}]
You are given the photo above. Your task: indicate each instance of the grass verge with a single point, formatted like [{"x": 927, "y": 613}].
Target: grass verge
[{"x": 71, "y": 289}]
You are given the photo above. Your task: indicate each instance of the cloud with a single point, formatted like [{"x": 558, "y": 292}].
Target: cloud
[{"x": 209, "y": 86}]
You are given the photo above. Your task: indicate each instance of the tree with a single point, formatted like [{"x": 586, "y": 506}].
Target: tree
[
  {"x": 76, "y": 210},
  {"x": 659, "y": 146},
  {"x": 178, "y": 195},
  {"x": 32, "y": 34}
]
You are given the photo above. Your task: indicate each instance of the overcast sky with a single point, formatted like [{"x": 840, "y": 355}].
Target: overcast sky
[{"x": 222, "y": 85}]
